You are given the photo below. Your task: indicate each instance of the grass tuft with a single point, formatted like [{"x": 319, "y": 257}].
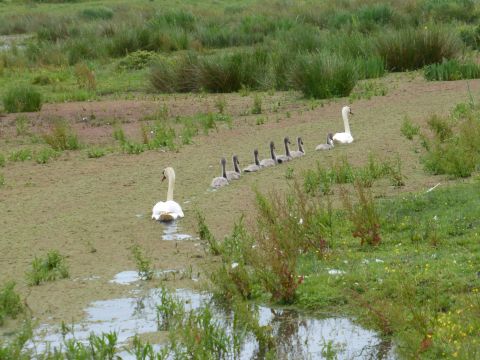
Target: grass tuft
[
  {"x": 22, "y": 99},
  {"x": 49, "y": 268}
]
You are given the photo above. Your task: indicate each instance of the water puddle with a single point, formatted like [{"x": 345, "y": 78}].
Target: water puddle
[
  {"x": 298, "y": 336},
  {"x": 131, "y": 276}
]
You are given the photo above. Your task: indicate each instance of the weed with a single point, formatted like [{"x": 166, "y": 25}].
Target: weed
[
  {"x": 220, "y": 104},
  {"x": 42, "y": 80},
  {"x": 143, "y": 262},
  {"x": 368, "y": 89},
  {"x": 43, "y": 156},
  {"x": 163, "y": 137},
  {"x": 257, "y": 105},
  {"x": 260, "y": 120},
  {"x": 49, "y": 268},
  {"x": 395, "y": 171},
  {"x": 2, "y": 179},
  {"x": 22, "y": 99},
  {"x": 21, "y": 155},
  {"x": 85, "y": 77},
  {"x": 363, "y": 215},
  {"x": 170, "y": 311},
  {"x": 133, "y": 148},
  {"x": 96, "y": 152},
  {"x": 22, "y": 124},
  {"x": 289, "y": 173},
  {"x": 408, "y": 129},
  {"x": 205, "y": 234},
  {"x": 119, "y": 135},
  {"x": 2, "y": 160},
  {"x": 97, "y": 13},
  {"x": 62, "y": 137},
  {"x": 10, "y": 303}
]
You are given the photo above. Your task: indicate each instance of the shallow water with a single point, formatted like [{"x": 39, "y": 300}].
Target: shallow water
[
  {"x": 171, "y": 232},
  {"x": 298, "y": 336}
]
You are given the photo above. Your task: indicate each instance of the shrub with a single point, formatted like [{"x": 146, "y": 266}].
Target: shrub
[
  {"x": 408, "y": 129},
  {"x": 50, "y": 268},
  {"x": 411, "y": 49},
  {"x": 22, "y": 99},
  {"x": 62, "y": 137},
  {"x": 452, "y": 148},
  {"x": 449, "y": 70},
  {"x": 10, "y": 303},
  {"x": 137, "y": 60},
  {"x": 471, "y": 36},
  {"x": 323, "y": 76}
]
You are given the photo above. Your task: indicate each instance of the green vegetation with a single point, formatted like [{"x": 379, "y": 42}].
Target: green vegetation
[
  {"x": 449, "y": 70},
  {"x": 143, "y": 262},
  {"x": 22, "y": 99},
  {"x": 408, "y": 129},
  {"x": 49, "y": 268},
  {"x": 43, "y": 156},
  {"x": 62, "y": 137},
  {"x": 451, "y": 146},
  {"x": 96, "y": 152},
  {"x": 10, "y": 303}
]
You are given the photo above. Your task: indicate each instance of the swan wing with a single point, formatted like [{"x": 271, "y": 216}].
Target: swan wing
[
  {"x": 167, "y": 210},
  {"x": 218, "y": 182},
  {"x": 343, "y": 138}
]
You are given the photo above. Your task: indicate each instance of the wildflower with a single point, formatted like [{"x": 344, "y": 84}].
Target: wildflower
[{"x": 234, "y": 265}]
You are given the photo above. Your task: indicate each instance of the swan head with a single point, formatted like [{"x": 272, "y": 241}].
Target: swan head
[
  {"x": 272, "y": 145},
  {"x": 299, "y": 140},
  {"x": 255, "y": 152},
  {"x": 235, "y": 160},
  {"x": 286, "y": 140},
  {"x": 223, "y": 161},
  {"x": 168, "y": 173},
  {"x": 347, "y": 110}
]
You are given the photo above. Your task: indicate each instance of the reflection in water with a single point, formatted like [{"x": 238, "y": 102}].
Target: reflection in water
[
  {"x": 298, "y": 336},
  {"x": 171, "y": 232}
]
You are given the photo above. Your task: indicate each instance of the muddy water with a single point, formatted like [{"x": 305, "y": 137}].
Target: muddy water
[{"x": 298, "y": 336}]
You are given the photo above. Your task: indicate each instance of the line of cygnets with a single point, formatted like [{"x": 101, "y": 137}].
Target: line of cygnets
[{"x": 226, "y": 176}]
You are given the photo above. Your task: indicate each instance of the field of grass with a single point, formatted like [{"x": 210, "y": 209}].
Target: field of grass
[{"x": 182, "y": 85}]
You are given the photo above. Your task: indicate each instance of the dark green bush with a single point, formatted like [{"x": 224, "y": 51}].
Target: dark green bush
[
  {"x": 103, "y": 13},
  {"x": 137, "y": 60},
  {"x": 10, "y": 303},
  {"x": 22, "y": 99},
  {"x": 449, "y": 70},
  {"x": 323, "y": 75}
]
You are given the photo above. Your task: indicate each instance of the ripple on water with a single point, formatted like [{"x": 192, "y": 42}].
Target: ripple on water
[
  {"x": 298, "y": 335},
  {"x": 171, "y": 232}
]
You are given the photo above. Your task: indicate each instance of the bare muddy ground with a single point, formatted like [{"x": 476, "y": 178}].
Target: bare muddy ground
[{"x": 94, "y": 210}]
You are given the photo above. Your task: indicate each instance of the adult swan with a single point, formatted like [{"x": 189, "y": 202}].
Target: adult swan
[
  {"x": 344, "y": 137},
  {"x": 168, "y": 210}
]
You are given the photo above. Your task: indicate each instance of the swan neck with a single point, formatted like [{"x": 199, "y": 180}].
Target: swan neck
[
  {"x": 235, "y": 167},
  {"x": 345, "y": 122},
  {"x": 300, "y": 147},
  {"x": 272, "y": 152},
  {"x": 287, "y": 150},
  {"x": 224, "y": 171},
  {"x": 256, "y": 160},
  {"x": 171, "y": 185}
]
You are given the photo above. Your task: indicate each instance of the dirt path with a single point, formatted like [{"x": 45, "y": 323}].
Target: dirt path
[{"x": 93, "y": 210}]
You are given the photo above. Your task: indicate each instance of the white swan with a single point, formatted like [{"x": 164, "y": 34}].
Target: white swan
[
  {"x": 345, "y": 137},
  {"x": 220, "y": 181},
  {"x": 168, "y": 210},
  {"x": 287, "y": 157},
  {"x": 256, "y": 166},
  {"x": 301, "y": 151},
  {"x": 329, "y": 145},
  {"x": 234, "y": 175},
  {"x": 272, "y": 160}
]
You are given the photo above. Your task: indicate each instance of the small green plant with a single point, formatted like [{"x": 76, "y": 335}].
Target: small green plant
[
  {"x": 103, "y": 13},
  {"x": 22, "y": 124},
  {"x": 395, "y": 171},
  {"x": 363, "y": 215},
  {"x": 368, "y": 89},
  {"x": 96, "y": 152},
  {"x": 2, "y": 180},
  {"x": 3, "y": 161},
  {"x": 450, "y": 70},
  {"x": 257, "y": 105},
  {"x": 133, "y": 148},
  {"x": 10, "y": 302},
  {"x": 144, "y": 263},
  {"x": 137, "y": 60},
  {"x": 22, "y": 99},
  {"x": 289, "y": 175},
  {"x": 62, "y": 137},
  {"x": 49, "y": 268},
  {"x": 21, "y": 155},
  {"x": 119, "y": 135},
  {"x": 260, "y": 120},
  {"x": 170, "y": 311},
  {"x": 408, "y": 129},
  {"x": 205, "y": 234},
  {"x": 43, "y": 156},
  {"x": 85, "y": 77}
]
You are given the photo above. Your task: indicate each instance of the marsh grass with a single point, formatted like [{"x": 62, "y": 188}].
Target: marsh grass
[
  {"x": 22, "y": 99},
  {"x": 257, "y": 105},
  {"x": 449, "y": 70},
  {"x": 85, "y": 77},
  {"x": 44, "y": 155},
  {"x": 21, "y": 155},
  {"x": 143, "y": 262},
  {"x": 49, "y": 268},
  {"x": 206, "y": 235},
  {"x": 22, "y": 125},
  {"x": 96, "y": 152},
  {"x": 367, "y": 90},
  {"x": 10, "y": 302}
]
